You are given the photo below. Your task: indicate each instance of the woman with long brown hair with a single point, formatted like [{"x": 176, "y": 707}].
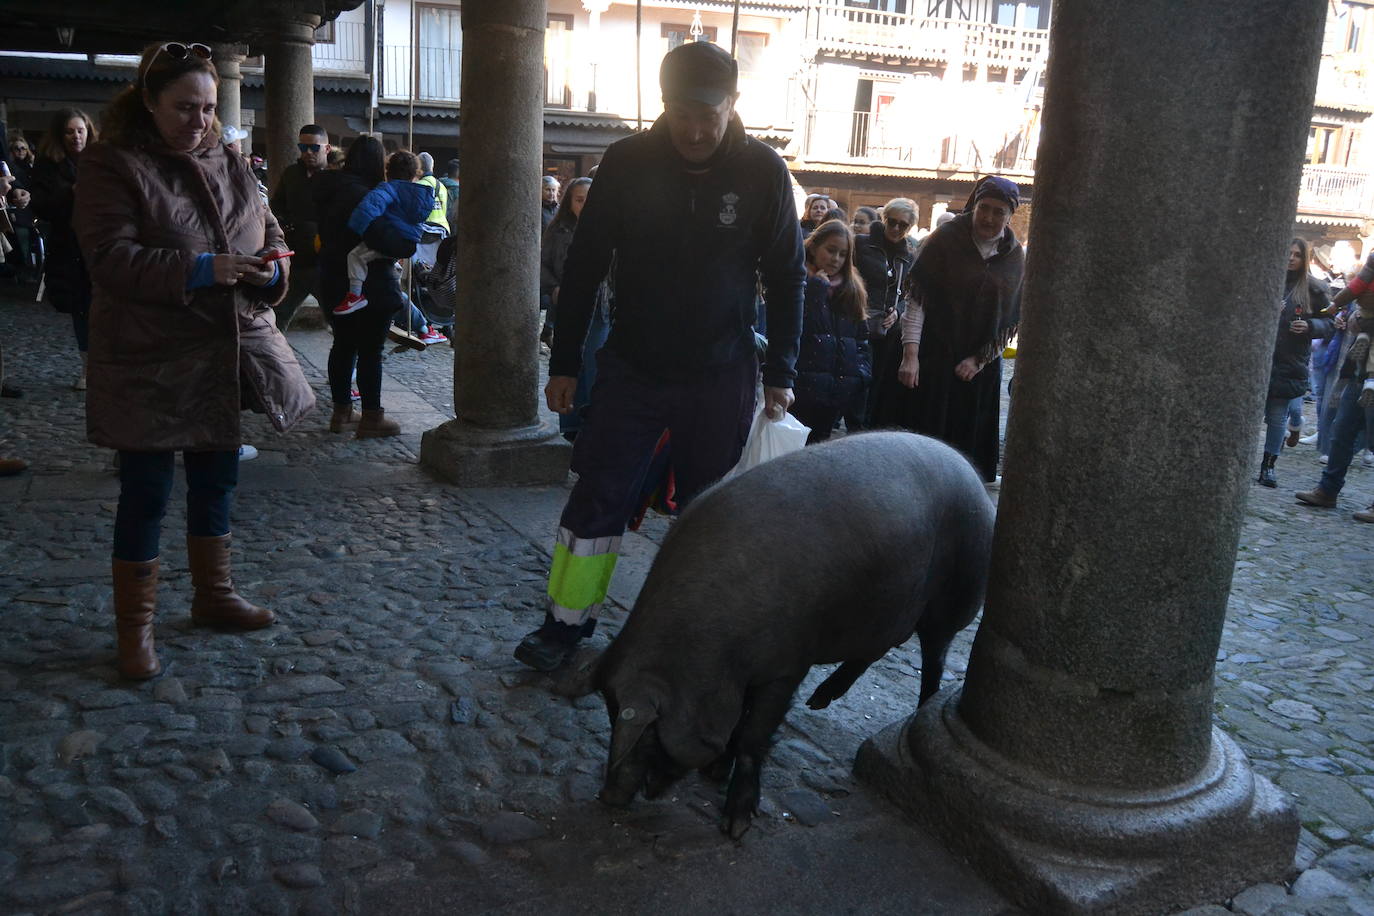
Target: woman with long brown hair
[
  {"x": 186, "y": 263},
  {"x": 52, "y": 189},
  {"x": 833, "y": 362},
  {"x": 1300, "y": 322}
]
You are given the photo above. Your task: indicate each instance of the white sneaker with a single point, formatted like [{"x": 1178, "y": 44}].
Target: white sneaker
[
  {"x": 247, "y": 453},
  {"x": 1309, "y": 440},
  {"x": 1367, "y": 459},
  {"x": 1322, "y": 459}
]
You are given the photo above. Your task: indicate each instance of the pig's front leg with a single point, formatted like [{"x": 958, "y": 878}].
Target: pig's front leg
[{"x": 764, "y": 708}]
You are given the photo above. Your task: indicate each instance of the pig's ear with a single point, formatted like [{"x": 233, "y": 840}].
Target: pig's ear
[
  {"x": 636, "y": 714},
  {"x": 578, "y": 677}
]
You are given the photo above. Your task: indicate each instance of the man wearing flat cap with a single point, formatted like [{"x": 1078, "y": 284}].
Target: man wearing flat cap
[{"x": 695, "y": 212}]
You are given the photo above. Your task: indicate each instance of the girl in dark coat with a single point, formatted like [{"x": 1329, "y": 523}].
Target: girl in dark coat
[
  {"x": 833, "y": 362},
  {"x": 942, "y": 376},
  {"x": 1300, "y": 323},
  {"x": 52, "y": 186}
]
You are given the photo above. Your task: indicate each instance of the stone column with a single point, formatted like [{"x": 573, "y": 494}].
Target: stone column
[
  {"x": 288, "y": 87},
  {"x": 1079, "y": 766},
  {"x": 228, "y": 59},
  {"x": 498, "y": 438}
]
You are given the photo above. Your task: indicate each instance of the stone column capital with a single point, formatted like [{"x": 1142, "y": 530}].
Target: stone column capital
[{"x": 228, "y": 58}]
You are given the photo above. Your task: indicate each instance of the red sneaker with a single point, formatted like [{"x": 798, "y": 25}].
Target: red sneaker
[{"x": 350, "y": 304}]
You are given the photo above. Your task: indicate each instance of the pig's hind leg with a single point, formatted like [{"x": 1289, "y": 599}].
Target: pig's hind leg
[
  {"x": 948, "y": 612},
  {"x": 838, "y": 684},
  {"x": 764, "y": 708}
]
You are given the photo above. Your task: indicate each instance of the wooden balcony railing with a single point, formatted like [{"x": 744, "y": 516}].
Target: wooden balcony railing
[
  {"x": 848, "y": 29},
  {"x": 1335, "y": 191}
]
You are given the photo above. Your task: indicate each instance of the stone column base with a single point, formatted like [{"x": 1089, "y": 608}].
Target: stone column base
[
  {"x": 1054, "y": 847},
  {"x": 474, "y": 457}
]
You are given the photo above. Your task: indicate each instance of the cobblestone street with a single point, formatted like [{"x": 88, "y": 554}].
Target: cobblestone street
[{"x": 378, "y": 750}]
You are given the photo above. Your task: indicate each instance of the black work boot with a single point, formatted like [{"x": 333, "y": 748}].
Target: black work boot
[
  {"x": 553, "y": 643},
  {"x": 1266, "y": 474}
]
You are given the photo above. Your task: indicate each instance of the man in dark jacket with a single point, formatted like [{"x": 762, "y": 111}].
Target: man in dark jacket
[
  {"x": 294, "y": 207},
  {"x": 695, "y": 212}
]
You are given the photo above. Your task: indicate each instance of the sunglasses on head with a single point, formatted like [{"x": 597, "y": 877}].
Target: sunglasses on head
[
  {"x": 308, "y": 147},
  {"x": 177, "y": 51}
]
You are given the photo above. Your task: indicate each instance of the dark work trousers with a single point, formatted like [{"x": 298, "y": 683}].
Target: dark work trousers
[
  {"x": 358, "y": 339},
  {"x": 145, "y": 484},
  {"x": 708, "y": 419}
]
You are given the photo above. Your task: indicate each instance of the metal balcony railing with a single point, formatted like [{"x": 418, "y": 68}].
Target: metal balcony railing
[
  {"x": 862, "y": 138},
  {"x": 1336, "y": 191},
  {"x": 347, "y": 53},
  {"x": 433, "y": 74},
  {"x": 850, "y": 29}
]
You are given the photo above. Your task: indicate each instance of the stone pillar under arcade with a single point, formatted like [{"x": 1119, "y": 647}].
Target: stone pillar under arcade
[
  {"x": 228, "y": 60},
  {"x": 1078, "y": 766},
  {"x": 288, "y": 85},
  {"x": 498, "y": 438}
]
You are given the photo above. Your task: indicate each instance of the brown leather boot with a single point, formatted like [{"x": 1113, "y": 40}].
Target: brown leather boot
[
  {"x": 135, "y": 602},
  {"x": 374, "y": 425},
  {"x": 343, "y": 416},
  {"x": 215, "y": 602}
]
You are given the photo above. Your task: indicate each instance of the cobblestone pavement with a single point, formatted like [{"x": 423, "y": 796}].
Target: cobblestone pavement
[{"x": 380, "y": 751}]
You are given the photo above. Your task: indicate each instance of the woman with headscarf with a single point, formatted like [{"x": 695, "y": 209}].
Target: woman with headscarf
[{"x": 942, "y": 375}]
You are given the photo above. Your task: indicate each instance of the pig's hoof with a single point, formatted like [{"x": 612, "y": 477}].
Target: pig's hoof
[
  {"x": 735, "y": 826},
  {"x": 820, "y": 699}
]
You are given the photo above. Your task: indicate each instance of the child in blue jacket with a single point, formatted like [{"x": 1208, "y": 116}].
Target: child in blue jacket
[{"x": 401, "y": 207}]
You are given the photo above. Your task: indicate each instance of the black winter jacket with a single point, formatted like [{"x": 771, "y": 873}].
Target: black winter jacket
[
  {"x": 52, "y": 186},
  {"x": 293, "y": 204},
  {"x": 1293, "y": 352},
  {"x": 884, "y": 268},
  {"x": 834, "y": 358},
  {"x": 690, "y": 243}
]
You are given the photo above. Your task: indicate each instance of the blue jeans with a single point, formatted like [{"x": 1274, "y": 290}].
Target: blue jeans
[
  {"x": 1347, "y": 429},
  {"x": 1275, "y": 423},
  {"x": 145, "y": 485}
]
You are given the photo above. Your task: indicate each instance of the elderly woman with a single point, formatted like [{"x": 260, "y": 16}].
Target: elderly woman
[
  {"x": 965, "y": 302},
  {"x": 179, "y": 246},
  {"x": 883, "y": 256},
  {"x": 52, "y": 184}
]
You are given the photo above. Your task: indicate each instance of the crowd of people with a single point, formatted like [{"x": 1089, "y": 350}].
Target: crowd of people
[{"x": 684, "y": 292}]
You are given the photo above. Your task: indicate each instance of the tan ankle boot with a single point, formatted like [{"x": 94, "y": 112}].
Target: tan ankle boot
[
  {"x": 215, "y": 602},
  {"x": 374, "y": 425},
  {"x": 343, "y": 416},
  {"x": 135, "y": 603}
]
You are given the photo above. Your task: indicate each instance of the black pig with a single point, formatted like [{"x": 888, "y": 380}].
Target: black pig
[{"x": 834, "y": 553}]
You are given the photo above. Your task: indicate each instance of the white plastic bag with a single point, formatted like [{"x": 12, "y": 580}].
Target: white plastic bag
[{"x": 770, "y": 439}]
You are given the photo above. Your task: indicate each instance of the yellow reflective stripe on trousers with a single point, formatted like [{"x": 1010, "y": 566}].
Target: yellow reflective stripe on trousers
[{"x": 579, "y": 582}]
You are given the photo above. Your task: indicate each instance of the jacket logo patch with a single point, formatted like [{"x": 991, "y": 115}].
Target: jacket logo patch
[{"x": 728, "y": 212}]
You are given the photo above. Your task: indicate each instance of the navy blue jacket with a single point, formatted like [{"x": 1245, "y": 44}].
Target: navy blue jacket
[
  {"x": 834, "y": 360},
  {"x": 403, "y": 205},
  {"x": 690, "y": 245}
]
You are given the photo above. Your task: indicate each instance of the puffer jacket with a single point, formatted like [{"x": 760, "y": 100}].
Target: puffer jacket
[
  {"x": 1288, "y": 376},
  {"x": 171, "y": 368},
  {"x": 834, "y": 359}
]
